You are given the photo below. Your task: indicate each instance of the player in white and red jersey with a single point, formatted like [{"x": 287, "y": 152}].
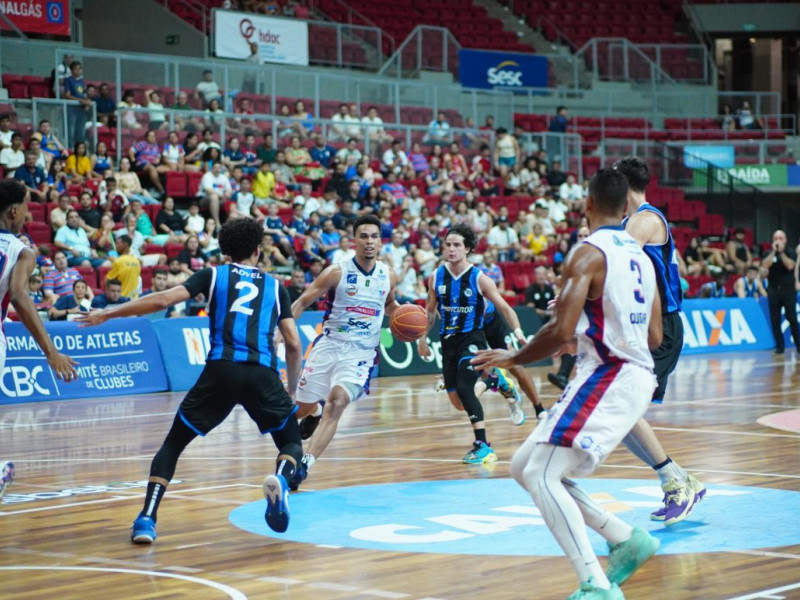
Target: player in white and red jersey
[
  {"x": 610, "y": 302},
  {"x": 360, "y": 291},
  {"x": 16, "y": 265}
]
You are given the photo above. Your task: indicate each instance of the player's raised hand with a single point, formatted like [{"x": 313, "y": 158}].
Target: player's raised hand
[
  {"x": 63, "y": 366},
  {"x": 93, "y": 317},
  {"x": 493, "y": 358}
]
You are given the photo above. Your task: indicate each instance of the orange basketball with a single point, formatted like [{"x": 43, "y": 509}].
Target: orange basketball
[{"x": 409, "y": 323}]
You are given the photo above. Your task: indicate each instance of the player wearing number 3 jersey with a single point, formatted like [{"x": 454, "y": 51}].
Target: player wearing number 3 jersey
[{"x": 244, "y": 306}]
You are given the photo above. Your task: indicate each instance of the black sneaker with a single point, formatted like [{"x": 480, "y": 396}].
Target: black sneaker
[
  {"x": 300, "y": 474},
  {"x": 558, "y": 380},
  {"x": 308, "y": 425}
]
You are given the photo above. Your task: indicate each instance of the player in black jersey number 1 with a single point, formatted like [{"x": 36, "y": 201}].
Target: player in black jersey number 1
[{"x": 245, "y": 305}]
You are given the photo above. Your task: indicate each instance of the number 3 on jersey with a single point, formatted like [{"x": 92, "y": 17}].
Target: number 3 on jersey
[
  {"x": 637, "y": 292},
  {"x": 240, "y": 305}
]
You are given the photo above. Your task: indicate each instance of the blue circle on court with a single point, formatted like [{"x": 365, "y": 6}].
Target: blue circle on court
[{"x": 496, "y": 516}]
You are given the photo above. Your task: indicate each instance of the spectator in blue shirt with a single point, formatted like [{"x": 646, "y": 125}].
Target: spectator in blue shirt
[
  {"x": 329, "y": 238},
  {"x": 75, "y": 89},
  {"x": 34, "y": 178},
  {"x": 106, "y": 106},
  {"x": 323, "y": 153},
  {"x": 72, "y": 239},
  {"x": 558, "y": 124},
  {"x": 71, "y": 304},
  {"x": 112, "y": 297}
]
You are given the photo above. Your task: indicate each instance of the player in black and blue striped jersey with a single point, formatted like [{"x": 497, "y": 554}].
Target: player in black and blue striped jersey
[{"x": 245, "y": 306}]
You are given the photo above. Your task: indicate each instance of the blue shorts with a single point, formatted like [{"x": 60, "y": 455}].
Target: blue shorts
[{"x": 507, "y": 161}]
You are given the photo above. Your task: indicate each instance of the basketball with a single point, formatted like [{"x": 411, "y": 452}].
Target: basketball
[{"x": 409, "y": 323}]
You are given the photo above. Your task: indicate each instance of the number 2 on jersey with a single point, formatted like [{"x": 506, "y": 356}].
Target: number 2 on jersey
[
  {"x": 240, "y": 305},
  {"x": 637, "y": 292}
]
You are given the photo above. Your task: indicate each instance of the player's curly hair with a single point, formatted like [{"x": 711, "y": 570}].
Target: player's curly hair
[
  {"x": 240, "y": 238},
  {"x": 11, "y": 192},
  {"x": 466, "y": 232}
]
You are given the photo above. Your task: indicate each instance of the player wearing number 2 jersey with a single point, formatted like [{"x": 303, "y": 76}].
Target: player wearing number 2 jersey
[{"x": 244, "y": 306}]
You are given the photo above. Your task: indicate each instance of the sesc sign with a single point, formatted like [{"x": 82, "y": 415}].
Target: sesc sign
[{"x": 504, "y": 70}]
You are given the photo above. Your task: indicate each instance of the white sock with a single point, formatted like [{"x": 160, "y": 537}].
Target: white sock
[
  {"x": 317, "y": 411},
  {"x": 672, "y": 470},
  {"x": 611, "y": 527},
  {"x": 309, "y": 460}
]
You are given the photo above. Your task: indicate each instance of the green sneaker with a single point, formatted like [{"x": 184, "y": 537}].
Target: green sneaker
[
  {"x": 588, "y": 591},
  {"x": 626, "y": 557}
]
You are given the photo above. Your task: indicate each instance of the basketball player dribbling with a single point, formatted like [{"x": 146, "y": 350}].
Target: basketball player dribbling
[
  {"x": 244, "y": 308},
  {"x": 648, "y": 226},
  {"x": 16, "y": 265},
  {"x": 338, "y": 369},
  {"x": 457, "y": 293},
  {"x": 610, "y": 302}
]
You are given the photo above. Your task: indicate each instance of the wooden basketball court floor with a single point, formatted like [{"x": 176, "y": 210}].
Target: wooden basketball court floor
[{"x": 64, "y": 527}]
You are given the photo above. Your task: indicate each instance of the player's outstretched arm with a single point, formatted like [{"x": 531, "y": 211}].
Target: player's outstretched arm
[
  {"x": 583, "y": 266},
  {"x": 141, "y": 306},
  {"x": 63, "y": 366},
  {"x": 327, "y": 280},
  {"x": 490, "y": 291}
]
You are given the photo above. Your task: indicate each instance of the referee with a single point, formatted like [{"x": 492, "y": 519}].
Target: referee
[{"x": 780, "y": 290}]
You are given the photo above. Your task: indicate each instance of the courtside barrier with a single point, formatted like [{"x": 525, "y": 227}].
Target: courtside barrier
[
  {"x": 724, "y": 325},
  {"x": 116, "y": 358}
]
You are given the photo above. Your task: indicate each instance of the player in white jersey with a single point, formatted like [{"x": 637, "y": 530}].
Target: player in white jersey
[
  {"x": 360, "y": 291},
  {"x": 610, "y": 302},
  {"x": 16, "y": 265}
]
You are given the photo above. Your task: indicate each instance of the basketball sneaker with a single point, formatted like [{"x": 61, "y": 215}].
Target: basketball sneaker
[
  {"x": 589, "y": 591},
  {"x": 6, "y": 476},
  {"x": 678, "y": 502},
  {"x": 625, "y": 558},
  {"x": 276, "y": 491},
  {"x": 300, "y": 474},
  {"x": 308, "y": 425},
  {"x": 558, "y": 380},
  {"x": 480, "y": 453},
  {"x": 697, "y": 489},
  {"x": 541, "y": 416},
  {"x": 143, "y": 530}
]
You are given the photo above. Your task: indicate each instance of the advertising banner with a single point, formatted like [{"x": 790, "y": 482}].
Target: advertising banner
[
  {"x": 116, "y": 358},
  {"x": 724, "y": 325},
  {"x": 793, "y": 174},
  {"x": 402, "y": 359},
  {"x": 757, "y": 175},
  {"x": 283, "y": 41},
  {"x": 185, "y": 344},
  {"x": 37, "y": 16},
  {"x": 501, "y": 70},
  {"x": 697, "y": 157}
]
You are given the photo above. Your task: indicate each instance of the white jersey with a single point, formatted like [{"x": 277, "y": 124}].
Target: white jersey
[
  {"x": 614, "y": 326},
  {"x": 355, "y": 313},
  {"x": 10, "y": 248}
]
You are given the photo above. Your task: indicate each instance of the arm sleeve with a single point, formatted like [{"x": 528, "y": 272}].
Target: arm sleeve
[
  {"x": 199, "y": 283},
  {"x": 284, "y": 302}
]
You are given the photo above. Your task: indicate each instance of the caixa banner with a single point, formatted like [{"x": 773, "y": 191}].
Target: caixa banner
[
  {"x": 724, "y": 325},
  {"x": 185, "y": 344},
  {"x": 116, "y": 358},
  {"x": 502, "y": 70}
]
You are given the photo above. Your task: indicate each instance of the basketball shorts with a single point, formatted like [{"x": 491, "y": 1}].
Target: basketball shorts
[
  {"x": 224, "y": 384},
  {"x": 333, "y": 363},
  {"x": 498, "y": 333},
  {"x": 597, "y": 410},
  {"x": 667, "y": 354},
  {"x": 457, "y": 349}
]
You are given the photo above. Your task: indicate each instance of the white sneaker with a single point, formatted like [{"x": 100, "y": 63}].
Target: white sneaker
[
  {"x": 542, "y": 416},
  {"x": 515, "y": 408}
]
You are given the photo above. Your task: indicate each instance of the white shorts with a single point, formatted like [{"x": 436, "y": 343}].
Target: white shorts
[
  {"x": 333, "y": 363},
  {"x": 597, "y": 410}
]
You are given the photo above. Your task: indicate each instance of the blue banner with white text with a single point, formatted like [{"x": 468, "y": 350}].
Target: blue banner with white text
[
  {"x": 501, "y": 70},
  {"x": 724, "y": 325},
  {"x": 116, "y": 358}
]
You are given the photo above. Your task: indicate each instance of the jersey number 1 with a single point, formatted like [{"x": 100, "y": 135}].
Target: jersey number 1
[
  {"x": 240, "y": 305},
  {"x": 637, "y": 292}
]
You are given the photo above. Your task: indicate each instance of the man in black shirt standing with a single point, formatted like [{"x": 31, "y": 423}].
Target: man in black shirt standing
[
  {"x": 539, "y": 293},
  {"x": 780, "y": 291}
]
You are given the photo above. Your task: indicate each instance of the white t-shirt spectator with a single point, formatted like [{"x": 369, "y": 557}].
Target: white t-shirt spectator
[
  {"x": 570, "y": 193},
  {"x": 557, "y": 210},
  {"x": 396, "y": 255},
  {"x": 414, "y": 205},
  {"x": 196, "y": 223},
  {"x": 209, "y": 90},
  {"x": 218, "y": 183},
  {"x": 340, "y": 256},
  {"x": 11, "y": 159},
  {"x": 372, "y": 126},
  {"x": 244, "y": 201},
  {"x": 345, "y": 127},
  {"x": 390, "y": 156},
  {"x": 502, "y": 239},
  {"x": 439, "y": 131},
  {"x": 5, "y": 138}
]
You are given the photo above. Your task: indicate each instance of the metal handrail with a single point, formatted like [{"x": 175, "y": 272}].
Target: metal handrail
[
  {"x": 561, "y": 35},
  {"x": 416, "y": 35}
]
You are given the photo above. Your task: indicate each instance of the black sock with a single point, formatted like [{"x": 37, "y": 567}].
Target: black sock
[
  {"x": 155, "y": 491},
  {"x": 286, "y": 468},
  {"x": 480, "y": 435},
  {"x": 662, "y": 465},
  {"x": 538, "y": 408}
]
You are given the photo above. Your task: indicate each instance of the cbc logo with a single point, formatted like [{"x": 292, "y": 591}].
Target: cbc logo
[
  {"x": 246, "y": 28},
  {"x": 21, "y": 382}
]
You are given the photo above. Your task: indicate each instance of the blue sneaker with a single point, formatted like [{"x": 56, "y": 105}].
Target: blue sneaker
[
  {"x": 589, "y": 591},
  {"x": 276, "y": 491},
  {"x": 479, "y": 454},
  {"x": 299, "y": 476},
  {"x": 625, "y": 558},
  {"x": 6, "y": 476},
  {"x": 143, "y": 530}
]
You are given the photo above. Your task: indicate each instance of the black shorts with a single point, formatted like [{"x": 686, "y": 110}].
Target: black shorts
[
  {"x": 667, "y": 354},
  {"x": 457, "y": 349},
  {"x": 224, "y": 384},
  {"x": 498, "y": 333}
]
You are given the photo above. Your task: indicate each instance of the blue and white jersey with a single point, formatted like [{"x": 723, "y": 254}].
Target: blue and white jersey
[{"x": 460, "y": 301}]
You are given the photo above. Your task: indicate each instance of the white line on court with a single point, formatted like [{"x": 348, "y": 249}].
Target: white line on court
[
  {"x": 79, "y": 421},
  {"x": 232, "y": 593},
  {"x": 721, "y": 432},
  {"x": 770, "y": 593},
  {"x": 766, "y": 553}
]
